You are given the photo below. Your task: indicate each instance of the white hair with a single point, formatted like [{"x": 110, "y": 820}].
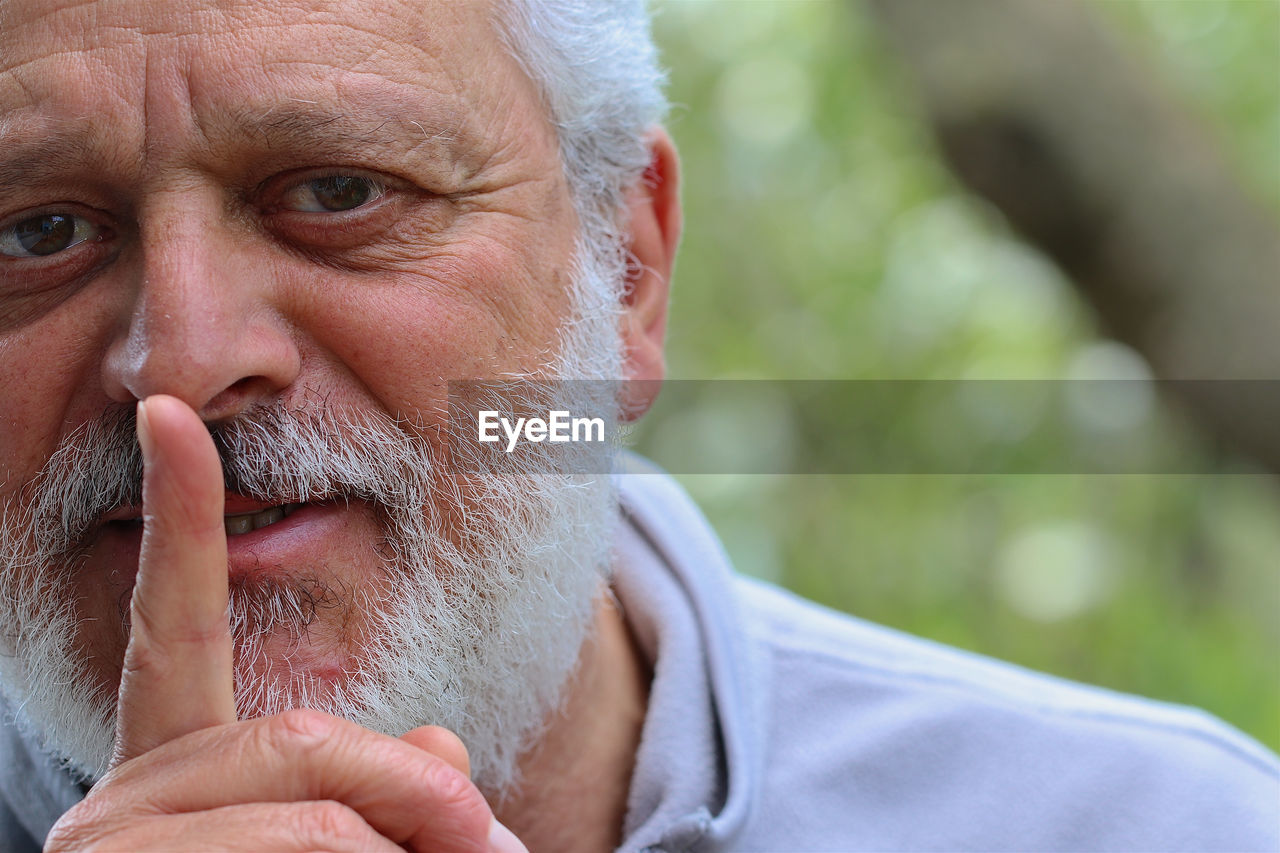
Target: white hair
[{"x": 596, "y": 67}]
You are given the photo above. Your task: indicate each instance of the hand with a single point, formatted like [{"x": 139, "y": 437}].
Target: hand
[{"x": 186, "y": 772}]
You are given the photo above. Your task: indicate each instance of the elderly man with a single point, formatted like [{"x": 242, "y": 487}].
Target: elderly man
[{"x": 244, "y": 250}]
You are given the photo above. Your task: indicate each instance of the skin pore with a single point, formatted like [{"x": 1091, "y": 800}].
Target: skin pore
[{"x": 355, "y": 202}]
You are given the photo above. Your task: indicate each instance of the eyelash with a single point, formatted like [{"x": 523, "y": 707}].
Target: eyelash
[
  {"x": 316, "y": 226},
  {"x": 331, "y": 231},
  {"x": 86, "y": 229},
  {"x": 378, "y": 188}
]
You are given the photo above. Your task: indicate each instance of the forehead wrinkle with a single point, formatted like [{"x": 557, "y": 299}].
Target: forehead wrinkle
[{"x": 423, "y": 112}]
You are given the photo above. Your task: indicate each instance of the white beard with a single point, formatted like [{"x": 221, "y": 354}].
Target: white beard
[{"x": 475, "y": 629}]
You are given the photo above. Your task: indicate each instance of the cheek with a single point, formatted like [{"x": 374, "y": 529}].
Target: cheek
[
  {"x": 477, "y": 311},
  {"x": 101, "y": 639},
  {"x": 48, "y": 383}
]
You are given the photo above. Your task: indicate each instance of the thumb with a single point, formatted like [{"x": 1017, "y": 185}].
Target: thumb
[
  {"x": 441, "y": 743},
  {"x": 444, "y": 744}
]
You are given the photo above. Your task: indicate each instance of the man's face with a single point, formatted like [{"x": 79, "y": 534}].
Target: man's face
[{"x": 337, "y": 207}]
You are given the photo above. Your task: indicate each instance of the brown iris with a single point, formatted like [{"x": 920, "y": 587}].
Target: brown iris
[
  {"x": 44, "y": 235},
  {"x": 342, "y": 192}
]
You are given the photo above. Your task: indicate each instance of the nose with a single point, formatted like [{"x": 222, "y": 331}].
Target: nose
[{"x": 203, "y": 327}]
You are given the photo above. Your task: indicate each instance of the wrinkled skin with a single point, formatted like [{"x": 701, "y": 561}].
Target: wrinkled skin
[{"x": 185, "y": 141}]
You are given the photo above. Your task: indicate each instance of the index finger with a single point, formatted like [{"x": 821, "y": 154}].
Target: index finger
[{"x": 177, "y": 676}]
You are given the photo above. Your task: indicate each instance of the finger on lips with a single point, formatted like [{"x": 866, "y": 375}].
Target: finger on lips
[
  {"x": 177, "y": 675},
  {"x": 185, "y": 768}
]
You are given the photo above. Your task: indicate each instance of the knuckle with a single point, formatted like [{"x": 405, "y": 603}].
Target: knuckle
[
  {"x": 78, "y": 829},
  {"x": 65, "y": 837},
  {"x": 328, "y": 821},
  {"x": 156, "y": 628},
  {"x": 303, "y": 724},
  {"x": 145, "y": 659}
]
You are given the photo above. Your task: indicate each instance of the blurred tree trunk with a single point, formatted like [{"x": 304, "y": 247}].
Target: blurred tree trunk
[{"x": 1038, "y": 109}]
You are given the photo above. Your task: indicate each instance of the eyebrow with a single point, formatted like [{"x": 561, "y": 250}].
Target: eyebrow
[
  {"x": 44, "y": 159},
  {"x": 299, "y": 126},
  {"x": 296, "y": 126}
]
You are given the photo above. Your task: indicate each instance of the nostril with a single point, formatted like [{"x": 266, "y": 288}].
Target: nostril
[{"x": 235, "y": 397}]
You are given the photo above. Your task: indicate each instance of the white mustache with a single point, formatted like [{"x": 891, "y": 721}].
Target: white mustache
[{"x": 274, "y": 452}]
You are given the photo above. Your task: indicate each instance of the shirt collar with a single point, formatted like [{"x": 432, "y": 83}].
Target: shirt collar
[{"x": 697, "y": 766}]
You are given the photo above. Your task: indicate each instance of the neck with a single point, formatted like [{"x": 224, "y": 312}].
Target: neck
[{"x": 573, "y": 793}]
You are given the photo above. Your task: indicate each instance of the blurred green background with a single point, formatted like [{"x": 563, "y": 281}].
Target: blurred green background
[{"x": 826, "y": 240}]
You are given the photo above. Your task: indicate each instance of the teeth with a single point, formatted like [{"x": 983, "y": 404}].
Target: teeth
[
  {"x": 267, "y": 516},
  {"x": 238, "y": 524}
]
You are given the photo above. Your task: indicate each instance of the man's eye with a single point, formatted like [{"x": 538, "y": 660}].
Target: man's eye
[
  {"x": 333, "y": 194},
  {"x": 45, "y": 235}
]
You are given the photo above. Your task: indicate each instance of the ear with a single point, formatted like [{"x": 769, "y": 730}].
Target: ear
[{"x": 653, "y": 204}]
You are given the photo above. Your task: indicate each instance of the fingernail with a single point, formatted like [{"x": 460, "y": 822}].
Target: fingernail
[
  {"x": 502, "y": 840},
  {"x": 144, "y": 432}
]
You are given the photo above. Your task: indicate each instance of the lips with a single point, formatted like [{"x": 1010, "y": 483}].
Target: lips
[{"x": 262, "y": 538}]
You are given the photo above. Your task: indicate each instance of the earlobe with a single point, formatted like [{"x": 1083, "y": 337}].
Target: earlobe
[{"x": 654, "y": 226}]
